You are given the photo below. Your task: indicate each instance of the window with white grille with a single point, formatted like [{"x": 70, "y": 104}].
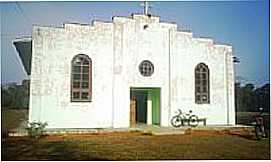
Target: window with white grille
[
  {"x": 81, "y": 78},
  {"x": 202, "y": 94},
  {"x": 146, "y": 68}
]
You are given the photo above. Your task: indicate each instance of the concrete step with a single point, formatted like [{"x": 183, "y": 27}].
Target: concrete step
[
  {"x": 158, "y": 130},
  {"x": 17, "y": 132},
  {"x": 146, "y": 129}
]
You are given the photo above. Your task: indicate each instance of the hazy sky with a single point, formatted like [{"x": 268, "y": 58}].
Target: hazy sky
[{"x": 243, "y": 24}]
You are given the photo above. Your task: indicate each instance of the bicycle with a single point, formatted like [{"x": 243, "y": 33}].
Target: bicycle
[
  {"x": 259, "y": 125},
  {"x": 180, "y": 119}
]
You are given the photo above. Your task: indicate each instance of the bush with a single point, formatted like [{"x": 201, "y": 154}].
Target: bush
[{"x": 36, "y": 129}]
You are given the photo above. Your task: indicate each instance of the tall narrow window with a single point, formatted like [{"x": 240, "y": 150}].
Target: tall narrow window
[
  {"x": 81, "y": 78},
  {"x": 202, "y": 94}
]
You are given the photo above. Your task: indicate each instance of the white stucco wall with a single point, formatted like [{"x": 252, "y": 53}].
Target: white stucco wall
[
  {"x": 116, "y": 50},
  {"x": 53, "y": 50},
  {"x": 186, "y": 53}
]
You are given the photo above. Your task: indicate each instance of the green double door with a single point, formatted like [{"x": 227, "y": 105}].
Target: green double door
[{"x": 142, "y": 96}]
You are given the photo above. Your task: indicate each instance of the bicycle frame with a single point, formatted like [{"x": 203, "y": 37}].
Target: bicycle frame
[
  {"x": 181, "y": 118},
  {"x": 184, "y": 116}
]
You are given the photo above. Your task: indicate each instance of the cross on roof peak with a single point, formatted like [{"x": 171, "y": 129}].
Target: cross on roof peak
[{"x": 146, "y": 6}]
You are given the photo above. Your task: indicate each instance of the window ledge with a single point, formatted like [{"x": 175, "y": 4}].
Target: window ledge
[{"x": 81, "y": 100}]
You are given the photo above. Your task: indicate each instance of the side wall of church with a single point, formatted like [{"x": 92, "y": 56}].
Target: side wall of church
[
  {"x": 50, "y": 96},
  {"x": 186, "y": 53}
]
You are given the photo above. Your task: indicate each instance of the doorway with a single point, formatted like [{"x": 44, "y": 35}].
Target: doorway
[{"x": 145, "y": 105}]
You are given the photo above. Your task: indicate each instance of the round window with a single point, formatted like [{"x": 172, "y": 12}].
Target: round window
[{"x": 146, "y": 68}]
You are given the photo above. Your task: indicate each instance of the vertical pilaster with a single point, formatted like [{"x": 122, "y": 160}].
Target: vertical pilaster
[
  {"x": 149, "y": 111},
  {"x": 36, "y": 76}
]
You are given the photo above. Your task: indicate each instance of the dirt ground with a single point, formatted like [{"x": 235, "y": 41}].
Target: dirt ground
[
  {"x": 137, "y": 146},
  {"x": 132, "y": 145}
]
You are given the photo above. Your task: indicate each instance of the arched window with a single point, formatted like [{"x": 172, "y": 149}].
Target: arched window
[
  {"x": 202, "y": 94},
  {"x": 81, "y": 78}
]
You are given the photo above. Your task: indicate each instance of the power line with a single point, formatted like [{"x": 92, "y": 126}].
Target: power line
[{"x": 18, "y": 6}]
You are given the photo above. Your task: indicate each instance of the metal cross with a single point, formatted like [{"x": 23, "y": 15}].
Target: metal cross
[{"x": 146, "y": 7}]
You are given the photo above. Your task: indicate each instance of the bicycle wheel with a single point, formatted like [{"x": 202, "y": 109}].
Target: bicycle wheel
[
  {"x": 193, "y": 121},
  {"x": 176, "y": 121},
  {"x": 258, "y": 132}
]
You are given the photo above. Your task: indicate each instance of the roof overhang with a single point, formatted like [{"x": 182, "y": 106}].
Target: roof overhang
[{"x": 24, "y": 48}]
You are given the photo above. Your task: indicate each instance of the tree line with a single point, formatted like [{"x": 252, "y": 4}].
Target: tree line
[
  {"x": 250, "y": 99},
  {"x": 15, "y": 96}
]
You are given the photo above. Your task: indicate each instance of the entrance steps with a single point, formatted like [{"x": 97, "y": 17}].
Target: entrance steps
[
  {"x": 158, "y": 130},
  {"x": 144, "y": 128}
]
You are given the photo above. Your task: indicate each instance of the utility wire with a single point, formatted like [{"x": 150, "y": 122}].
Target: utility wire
[
  {"x": 15, "y": 58},
  {"x": 18, "y": 5},
  {"x": 19, "y": 10}
]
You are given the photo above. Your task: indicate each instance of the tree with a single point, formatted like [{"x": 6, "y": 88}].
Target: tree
[
  {"x": 244, "y": 97},
  {"x": 262, "y": 97},
  {"x": 247, "y": 98},
  {"x": 6, "y": 98},
  {"x": 15, "y": 96}
]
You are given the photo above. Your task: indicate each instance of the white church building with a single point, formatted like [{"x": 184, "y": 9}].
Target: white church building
[{"x": 86, "y": 76}]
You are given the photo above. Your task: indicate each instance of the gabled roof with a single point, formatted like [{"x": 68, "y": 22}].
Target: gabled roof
[{"x": 24, "y": 48}]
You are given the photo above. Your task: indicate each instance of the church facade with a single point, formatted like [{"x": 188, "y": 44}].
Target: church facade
[{"x": 87, "y": 76}]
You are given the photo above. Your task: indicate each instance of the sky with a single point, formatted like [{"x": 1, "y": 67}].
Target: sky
[{"x": 242, "y": 24}]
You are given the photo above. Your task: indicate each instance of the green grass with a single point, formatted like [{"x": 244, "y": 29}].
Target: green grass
[{"x": 135, "y": 146}]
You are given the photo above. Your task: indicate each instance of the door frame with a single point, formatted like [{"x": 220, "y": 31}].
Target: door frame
[{"x": 151, "y": 91}]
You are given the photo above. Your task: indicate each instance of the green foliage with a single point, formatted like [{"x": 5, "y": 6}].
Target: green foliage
[
  {"x": 15, "y": 96},
  {"x": 262, "y": 97},
  {"x": 250, "y": 99},
  {"x": 36, "y": 129}
]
